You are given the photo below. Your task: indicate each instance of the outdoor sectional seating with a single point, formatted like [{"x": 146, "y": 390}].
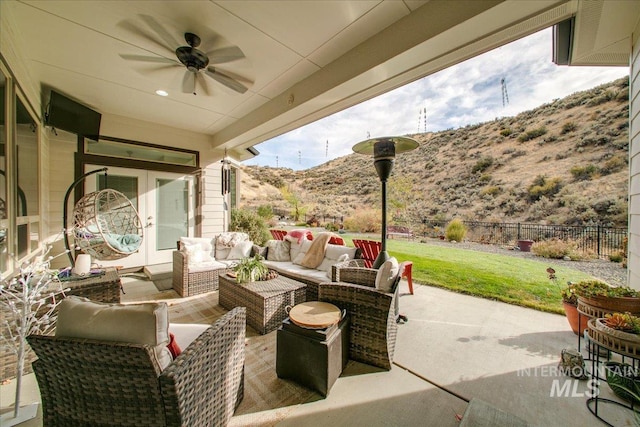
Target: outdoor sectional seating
[
  {"x": 285, "y": 256},
  {"x": 199, "y": 261}
]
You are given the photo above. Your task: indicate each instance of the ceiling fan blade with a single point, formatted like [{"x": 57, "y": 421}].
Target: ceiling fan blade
[
  {"x": 135, "y": 29},
  {"x": 202, "y": 84},
  {"x": 229, "y": 82},
  {"x": 189, "y": 82},
  {"x": 160, "y": 30},
  {"x": 225, "y": 54},
  {"x": 145, "y": 58}
]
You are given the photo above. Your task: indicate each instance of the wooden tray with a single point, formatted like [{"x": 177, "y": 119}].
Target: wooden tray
[{"x": 315, "y": 314}]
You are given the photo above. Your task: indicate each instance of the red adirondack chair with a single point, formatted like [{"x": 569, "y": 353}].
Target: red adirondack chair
[{"x": 278, "y": 234}]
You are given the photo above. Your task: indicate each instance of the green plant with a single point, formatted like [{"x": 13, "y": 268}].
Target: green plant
[
  {"x": 251, "y": 223},
  {"x": 506, "y": 132},
  {"x": 534, "y": 133},
  {"x": 584, "y": 173},
  {"x": 265, "y": 211},
  {"x": 482, "y": 164},
  {"x": 250, "y": 269},
  {"x": 597, "y": 288},
  {"x": 623, "y": 322},
  {"x": 455, "y": 230},
  {"x": 568, "y": 127},
  {"x": 543, "y": 186}
]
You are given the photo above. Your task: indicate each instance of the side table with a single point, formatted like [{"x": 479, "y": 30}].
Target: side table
[{"x": 314, "y": 358}]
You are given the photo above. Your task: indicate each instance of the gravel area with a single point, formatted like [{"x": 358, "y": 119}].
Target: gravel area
[{"x": 610, "y": 272}]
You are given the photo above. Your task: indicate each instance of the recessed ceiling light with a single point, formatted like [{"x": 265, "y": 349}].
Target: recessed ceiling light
[{"x": 162, "y": 92}]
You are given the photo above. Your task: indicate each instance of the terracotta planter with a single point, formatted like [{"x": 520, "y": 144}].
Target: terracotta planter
[
  {"x": 611, "y": 304},
  {"x": 571, "y": 311}
]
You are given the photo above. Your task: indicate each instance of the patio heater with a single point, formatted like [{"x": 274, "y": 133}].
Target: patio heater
[{"x": 384, "y": 151}]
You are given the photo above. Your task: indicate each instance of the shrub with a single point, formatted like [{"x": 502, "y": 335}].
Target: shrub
[
  {"x": 265, "y": 211},
  {"x": 614, "y": 164},
  {"x": 491, "y": 190},
  {"x": 584, "y": 173},
  {"x": 251, "y": 223},
  {"x": 557, "y": 249},
  {"x": 331, "y": 226},
  {"x": 534, "y": 133},
  {"x": 506, "y": 132},
  {"x": 568, "y": 127},
  {"x": 543, "y": 186},
  {"x": 364, "y": 221},
  {"x": 455, "y": 230},
  {"x": 482, "y": 164}
]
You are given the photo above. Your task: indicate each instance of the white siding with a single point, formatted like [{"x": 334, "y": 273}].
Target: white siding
[{"x": 634, "y": 163}]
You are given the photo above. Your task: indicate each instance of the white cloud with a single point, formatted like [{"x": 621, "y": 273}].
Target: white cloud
[{"x": 468, "y": 93}]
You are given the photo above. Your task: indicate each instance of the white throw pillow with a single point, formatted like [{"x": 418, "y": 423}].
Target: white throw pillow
[
  {"x": 197, "y": 249},
  {"x": 240, "y": 250},
  {"x": 386, "y": 275},
  {"x": 279, "y": 250},
  {"x": 81, "y": 318},
  {"x": 328, "y": 263},
  {"x": 196, "y": 255}
]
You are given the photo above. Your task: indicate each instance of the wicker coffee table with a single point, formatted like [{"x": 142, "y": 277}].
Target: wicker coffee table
[{"x": 265, "y": 300}]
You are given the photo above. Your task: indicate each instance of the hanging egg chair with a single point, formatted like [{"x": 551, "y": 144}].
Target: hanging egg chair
[{"x": 106, "y": 225}]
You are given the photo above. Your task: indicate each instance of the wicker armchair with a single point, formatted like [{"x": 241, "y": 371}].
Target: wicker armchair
[
  {"x": 187, "y": 283},
  {"x": 86, "y": 382},
  {"x": 373, "y": 313}
]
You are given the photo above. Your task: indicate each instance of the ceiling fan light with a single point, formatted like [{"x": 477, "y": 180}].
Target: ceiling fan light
[{"x": 162, "y": 92}]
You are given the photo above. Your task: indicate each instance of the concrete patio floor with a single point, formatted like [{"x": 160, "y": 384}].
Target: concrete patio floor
[{"x": 453, "y": 348}]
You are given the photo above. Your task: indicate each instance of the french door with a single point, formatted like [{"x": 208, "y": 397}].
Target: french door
[{"x": 165, "y": 205}]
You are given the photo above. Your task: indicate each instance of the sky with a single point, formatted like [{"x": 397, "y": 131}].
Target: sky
[{"x": 468, "y": 93}]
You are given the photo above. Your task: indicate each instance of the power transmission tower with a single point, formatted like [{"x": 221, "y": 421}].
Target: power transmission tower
[
  {"x": 425, "y": 119},
  {"x": 505, "y": 95},
  {"x": 326, "y": 151},
  {"x": 276, "y": 161},
  {"x": 299, "y": 157}
]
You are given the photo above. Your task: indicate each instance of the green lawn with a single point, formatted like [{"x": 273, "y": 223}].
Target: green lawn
[{"x": 499, "y": 277}]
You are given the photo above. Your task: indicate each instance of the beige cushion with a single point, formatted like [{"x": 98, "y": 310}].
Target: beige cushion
[
  {"x": 145, "y": 323},
  {"x": 279, "y": 250},
  {"x": 302, "y": 251},
  {"x": 240, "y": 250},
  {"x": 386, "y": 275}
]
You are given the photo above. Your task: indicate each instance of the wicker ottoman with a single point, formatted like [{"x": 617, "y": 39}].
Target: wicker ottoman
[{"x": 265, "y": 300}]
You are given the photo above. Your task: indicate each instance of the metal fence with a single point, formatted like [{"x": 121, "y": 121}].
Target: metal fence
[{"x": 597, "y": 239}]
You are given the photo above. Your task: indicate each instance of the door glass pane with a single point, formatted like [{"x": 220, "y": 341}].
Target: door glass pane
[
  {"x": 172, "y": 208},
  {"x": 127, "y": 185}
]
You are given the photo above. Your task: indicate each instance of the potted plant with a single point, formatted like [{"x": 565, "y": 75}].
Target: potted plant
[
  {"x": 250, "y": 269},
  {"x": 570, "y": 304},
  {"x": 606, "y": 298}
]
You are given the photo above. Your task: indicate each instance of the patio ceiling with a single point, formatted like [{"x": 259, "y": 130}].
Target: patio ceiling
[{"x": 303, "y": 60}]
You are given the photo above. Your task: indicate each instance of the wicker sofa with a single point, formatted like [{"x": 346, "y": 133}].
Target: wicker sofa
[
  {"x": 215, "y": 255},
  {"x": 373, "y": 313},
  {"x": 287, "y": 265},
  {"x": 91, "y": 382}
]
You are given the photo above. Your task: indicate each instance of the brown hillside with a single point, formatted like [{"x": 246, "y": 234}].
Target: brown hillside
[{"x": 565, "y": 162}]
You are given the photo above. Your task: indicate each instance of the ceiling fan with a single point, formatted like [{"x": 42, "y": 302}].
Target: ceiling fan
[{"x": 191, "y": 57}]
